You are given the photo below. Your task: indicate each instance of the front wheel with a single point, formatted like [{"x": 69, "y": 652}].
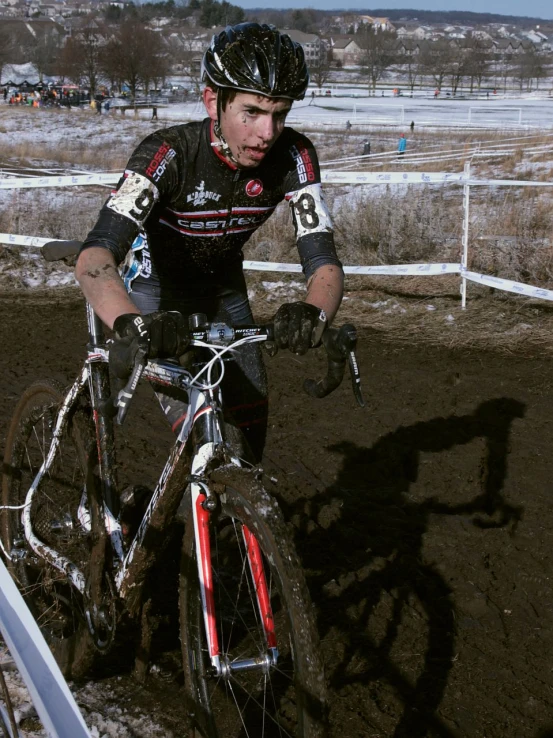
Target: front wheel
[
  {"x": 284, "y": 699},
  {"x": 60, "y": 517}
]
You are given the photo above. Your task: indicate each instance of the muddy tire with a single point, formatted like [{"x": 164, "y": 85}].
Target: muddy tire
[
  {"x": 286, "y": 699},
  {"x": 56, "y": 605}
]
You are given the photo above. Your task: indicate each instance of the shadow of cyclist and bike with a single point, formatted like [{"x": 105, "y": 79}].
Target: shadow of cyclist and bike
[{"x": 370, "y": 582}]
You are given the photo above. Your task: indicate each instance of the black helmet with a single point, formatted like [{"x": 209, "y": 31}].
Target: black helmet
[{"x": 254, "y": 57}]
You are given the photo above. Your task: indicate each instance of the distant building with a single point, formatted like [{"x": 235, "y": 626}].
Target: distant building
[
  {"x": 345, "y": 51},
  {"x": 313, "y": 46}
]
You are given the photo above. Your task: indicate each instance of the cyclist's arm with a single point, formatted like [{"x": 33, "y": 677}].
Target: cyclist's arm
[
  {"x": 313, "y": 227},
  {"x": 98, "y": 277},
  {"x": 325, "y": 289},
  {"x": 151, "y": 174}
]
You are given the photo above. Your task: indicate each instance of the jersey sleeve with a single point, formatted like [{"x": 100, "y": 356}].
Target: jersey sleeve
[
  {"x": 312, "y": 221},
  {"x": 150, "y": 176}
]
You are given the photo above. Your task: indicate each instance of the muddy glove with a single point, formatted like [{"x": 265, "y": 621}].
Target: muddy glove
[
  {"x": 298, "y": 326},
  {"x": 163, "y": 334}
]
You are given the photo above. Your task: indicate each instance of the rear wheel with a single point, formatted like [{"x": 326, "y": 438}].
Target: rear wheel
[
  {"x": 286, "y": 699},
  {"x": 60, "y": 517}
]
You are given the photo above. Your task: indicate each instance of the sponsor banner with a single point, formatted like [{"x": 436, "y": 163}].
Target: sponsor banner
[
  {"x": 108, "y": 178},
  {"x": 508, "y": 285},
  {"x": 327, "y": 176}
]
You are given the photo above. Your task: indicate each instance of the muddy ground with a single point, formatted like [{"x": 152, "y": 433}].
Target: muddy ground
[{"x": 424, "y": 522}]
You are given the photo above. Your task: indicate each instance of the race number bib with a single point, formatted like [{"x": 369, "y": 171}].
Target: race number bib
[
  {"x": 310, "y": 211},
  {"x": 135, "y": 198}
]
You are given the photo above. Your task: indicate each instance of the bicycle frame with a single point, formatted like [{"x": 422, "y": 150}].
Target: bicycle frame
[{"x": 204, "y": 421}]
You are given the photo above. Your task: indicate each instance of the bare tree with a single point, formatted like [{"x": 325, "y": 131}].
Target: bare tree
[
  {"x": 528, "y": 66},
  {"x": 43, "y": 51},
  {"x": 378, "y": 52},
  {"x": 435, "y": 60},
  {"x": 188, "y": 54},
  {"x": 407, "y": 59},
  {"x": 478, "y": 58},
  {"x": 457, "y": 66},
  {"x": 8, "y": 48},
  {"x": 81, "y": 57},
  {"x": 131, "y": 55}
]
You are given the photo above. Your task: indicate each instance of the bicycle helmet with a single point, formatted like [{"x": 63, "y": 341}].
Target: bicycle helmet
[{"x": 258, "y": 58}]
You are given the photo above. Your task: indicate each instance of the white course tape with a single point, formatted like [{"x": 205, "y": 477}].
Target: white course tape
[
  {"x": 331, "y": 177},
  {"x": 405, "y": 269},
  {"x": 518, "y": 288},
  {"x": 508, "y": 182},
  {"x": 9, "y": 238},
  {"x": 267, "y": 266},
  {"x": 9, "y": 183},
  {"x": 328, "y": 176},
  {"x": 49, "y": 692}
]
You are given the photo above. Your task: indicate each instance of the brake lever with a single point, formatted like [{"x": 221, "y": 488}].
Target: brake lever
[
  {"x": 125, "y": 395},
  {"x": 346, "y": 343},
  {"x": 355, "y": 378}
]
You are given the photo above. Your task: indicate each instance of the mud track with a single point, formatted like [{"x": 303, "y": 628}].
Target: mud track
[{"x": 424, "y": 522}]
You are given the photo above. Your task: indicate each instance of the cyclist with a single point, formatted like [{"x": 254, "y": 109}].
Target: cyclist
[{"x": 190, "y": 198}]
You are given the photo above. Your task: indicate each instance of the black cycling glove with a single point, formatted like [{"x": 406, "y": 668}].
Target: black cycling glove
[
  {"x": 296, "y": 324},
  {"x": 162, "y": 334}
]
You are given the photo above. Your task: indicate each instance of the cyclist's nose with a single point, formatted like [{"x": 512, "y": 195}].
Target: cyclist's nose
[{"x": 268, "y": 128}]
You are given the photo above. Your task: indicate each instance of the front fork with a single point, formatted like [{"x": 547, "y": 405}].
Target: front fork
[{"x": 204, "y": 503}]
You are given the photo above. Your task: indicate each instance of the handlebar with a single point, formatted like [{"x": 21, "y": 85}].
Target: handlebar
[{"x": 339, "y": 344}]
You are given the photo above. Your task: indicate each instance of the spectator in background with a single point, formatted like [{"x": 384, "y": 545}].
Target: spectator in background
[
  {"x": 154, "y": 113},
  {"x": 412, "y": 126},
  {"x": 348, "y": 125},
  {"x": 366, "y": 148},
  {"x": 402, "y": 145}
]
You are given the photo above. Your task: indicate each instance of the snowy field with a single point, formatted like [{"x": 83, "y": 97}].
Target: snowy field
[{"x": 495, "y": 111}]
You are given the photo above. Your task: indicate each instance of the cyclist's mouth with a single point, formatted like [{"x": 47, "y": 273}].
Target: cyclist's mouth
[{"x": 256, "y": 154}]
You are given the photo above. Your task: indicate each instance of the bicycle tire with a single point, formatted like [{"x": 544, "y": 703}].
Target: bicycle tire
[
  {"x": 57, "y": 606},
  {"x": 289, "y": 700}
]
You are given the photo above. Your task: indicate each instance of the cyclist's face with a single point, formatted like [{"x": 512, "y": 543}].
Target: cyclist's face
[{"x": 250, "y": 124}]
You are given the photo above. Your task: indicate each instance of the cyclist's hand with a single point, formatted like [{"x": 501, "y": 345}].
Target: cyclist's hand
[
  {"x": 295, "y": 324},
  {"x": 163, "y": 334}
]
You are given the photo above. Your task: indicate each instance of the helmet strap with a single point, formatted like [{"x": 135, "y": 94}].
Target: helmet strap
[{"x": 225, "y": 148}]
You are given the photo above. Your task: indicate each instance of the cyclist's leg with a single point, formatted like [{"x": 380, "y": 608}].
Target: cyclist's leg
[{"x": 245, "y": 383}]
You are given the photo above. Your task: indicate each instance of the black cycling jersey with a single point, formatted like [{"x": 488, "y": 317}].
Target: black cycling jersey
[{"x": 186, "y": 212}]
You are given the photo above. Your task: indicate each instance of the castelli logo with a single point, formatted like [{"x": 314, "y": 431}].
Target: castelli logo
[{"x": 254, "y": 188}]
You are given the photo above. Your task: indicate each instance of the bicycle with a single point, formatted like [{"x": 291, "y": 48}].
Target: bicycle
[{"x": 249, "y": 642}]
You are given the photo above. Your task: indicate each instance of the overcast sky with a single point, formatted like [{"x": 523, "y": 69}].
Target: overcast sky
[{"x": 529, "y": 8}]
